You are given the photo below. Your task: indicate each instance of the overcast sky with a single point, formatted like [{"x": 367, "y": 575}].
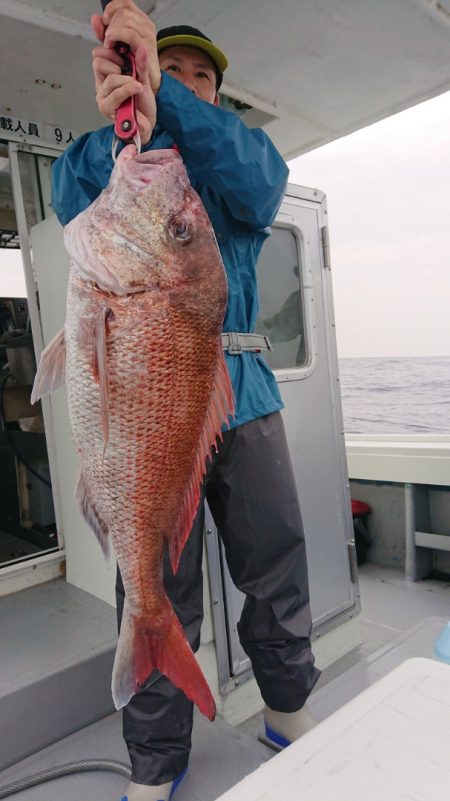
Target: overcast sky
[{"x": 388, "y": 191}]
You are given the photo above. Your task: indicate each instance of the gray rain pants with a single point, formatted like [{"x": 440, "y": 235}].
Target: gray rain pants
[{"x": 251, "y": 492}]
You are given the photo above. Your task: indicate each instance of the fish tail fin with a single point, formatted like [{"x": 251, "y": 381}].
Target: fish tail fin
[{"x": 141, "y": 650}]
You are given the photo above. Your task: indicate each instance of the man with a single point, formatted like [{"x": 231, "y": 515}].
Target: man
[{"x": 250, "y": 486}]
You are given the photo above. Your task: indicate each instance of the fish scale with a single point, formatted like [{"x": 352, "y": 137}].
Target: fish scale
[{"x": 148, "y": 393}]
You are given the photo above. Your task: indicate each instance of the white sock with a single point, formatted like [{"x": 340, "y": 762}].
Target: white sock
[
  {"x": 143, "y": 792},
  {"x": 290, "y": 725}
]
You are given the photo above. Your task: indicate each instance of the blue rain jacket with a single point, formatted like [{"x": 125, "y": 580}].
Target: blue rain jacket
[{"x": 241, "y": 179}]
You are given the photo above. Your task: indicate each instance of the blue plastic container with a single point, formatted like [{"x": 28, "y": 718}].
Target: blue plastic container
[{"x": 442, "y": 645}]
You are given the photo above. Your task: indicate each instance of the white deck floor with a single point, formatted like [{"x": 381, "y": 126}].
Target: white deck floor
[{"x": 399, "y": 620}]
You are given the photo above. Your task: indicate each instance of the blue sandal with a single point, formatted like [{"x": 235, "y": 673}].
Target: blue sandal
[{"x": 276, "y": 738}]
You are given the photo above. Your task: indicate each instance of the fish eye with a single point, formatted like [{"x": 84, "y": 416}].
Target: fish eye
[{"x": 180, "y": 230}]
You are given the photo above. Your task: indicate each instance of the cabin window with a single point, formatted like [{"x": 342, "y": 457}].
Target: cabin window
[
  {"x": 281, "y": 311},
  {"x": 35, "y": 179}
]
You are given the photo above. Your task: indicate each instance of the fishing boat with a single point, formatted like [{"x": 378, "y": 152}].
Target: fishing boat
[{"x": 308, "y": 73}]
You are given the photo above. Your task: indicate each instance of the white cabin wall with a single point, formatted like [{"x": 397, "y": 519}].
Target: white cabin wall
[{"x": 86, "y": 567}]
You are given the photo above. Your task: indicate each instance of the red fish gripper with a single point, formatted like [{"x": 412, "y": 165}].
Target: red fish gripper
[{"x": 126, "y": 127}]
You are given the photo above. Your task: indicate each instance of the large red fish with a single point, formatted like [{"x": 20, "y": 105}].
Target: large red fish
[{"x": 148, "y": 392}]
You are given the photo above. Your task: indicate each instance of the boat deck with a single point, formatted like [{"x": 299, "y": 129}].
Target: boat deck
[{"x": 398, "y": 620}]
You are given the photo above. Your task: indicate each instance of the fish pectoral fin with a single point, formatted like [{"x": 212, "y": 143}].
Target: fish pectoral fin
[
  {"x": 141, "y": 650},
  {"x": 91, "y": 516},
  {"x": 50, "y": 374},
  {"x": 92, "y": 335},
  {"x": 221, "y": 408}
]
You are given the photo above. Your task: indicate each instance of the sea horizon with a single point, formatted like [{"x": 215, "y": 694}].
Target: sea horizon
[{"x": 412, "y": 399}]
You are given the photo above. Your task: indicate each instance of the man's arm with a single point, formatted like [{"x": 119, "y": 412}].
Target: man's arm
[{"x": 240, "y": 164}]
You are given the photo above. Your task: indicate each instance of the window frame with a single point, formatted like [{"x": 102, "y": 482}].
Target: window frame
[{"x": 297, "y": 373}]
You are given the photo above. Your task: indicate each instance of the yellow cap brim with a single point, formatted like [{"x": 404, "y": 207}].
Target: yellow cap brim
[{"x": 213, "y": 51}]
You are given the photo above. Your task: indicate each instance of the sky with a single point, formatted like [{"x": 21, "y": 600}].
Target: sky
[
  {"x": 388, "y": 196},
  {"x": 387, "y": 190}
]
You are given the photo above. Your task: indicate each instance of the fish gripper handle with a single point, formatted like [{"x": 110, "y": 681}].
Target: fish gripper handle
[{"x": 125, "y": 126}]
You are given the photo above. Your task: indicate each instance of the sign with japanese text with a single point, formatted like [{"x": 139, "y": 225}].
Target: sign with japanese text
[{"x": 20, "y": 130}]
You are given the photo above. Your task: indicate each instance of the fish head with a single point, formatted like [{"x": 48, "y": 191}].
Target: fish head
[{"x": 147, "y": 230}]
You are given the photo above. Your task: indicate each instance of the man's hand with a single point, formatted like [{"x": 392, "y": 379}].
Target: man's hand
[{"x": 122, "y": 21}]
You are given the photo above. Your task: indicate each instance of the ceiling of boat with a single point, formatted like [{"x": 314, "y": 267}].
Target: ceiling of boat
[{"x": 312, "y": 71}]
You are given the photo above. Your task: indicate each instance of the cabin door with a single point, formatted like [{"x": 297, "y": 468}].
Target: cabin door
[{"x": 296, "y": 313}]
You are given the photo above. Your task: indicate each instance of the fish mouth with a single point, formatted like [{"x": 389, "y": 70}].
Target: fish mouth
[
  {"x": 98, "y": 272},
  {"x": 110, "y": 285},
  {"x": 166, "y": 156},
  {"x": 133, "y": 289},
  {"x": 130, "y": 163}
]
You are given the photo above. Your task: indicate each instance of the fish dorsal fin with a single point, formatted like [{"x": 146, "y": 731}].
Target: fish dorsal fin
[
  {"x": 92, "y": 334},
  {"x": 221, "y": 408},
  {"x": 50, "y": 374}
]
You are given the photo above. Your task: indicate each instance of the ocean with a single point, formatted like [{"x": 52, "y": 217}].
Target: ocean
[{"x": 396, "y": 395}]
